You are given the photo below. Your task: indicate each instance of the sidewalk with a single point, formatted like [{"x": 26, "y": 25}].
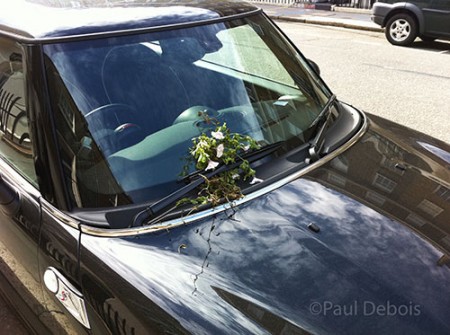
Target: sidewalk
[{"x": 339, "y": 16}]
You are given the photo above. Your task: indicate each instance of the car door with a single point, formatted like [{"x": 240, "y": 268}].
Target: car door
[
  {"x": 437, "y": 18},
  {"x": 36, "y": 240},
  {"x": 20, "y": 211}
]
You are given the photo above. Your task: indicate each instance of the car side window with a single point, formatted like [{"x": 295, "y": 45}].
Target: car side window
[{"x": 15, "y": 141}]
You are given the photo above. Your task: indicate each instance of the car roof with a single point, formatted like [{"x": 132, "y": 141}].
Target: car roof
[{"x": 39, "y": 20}]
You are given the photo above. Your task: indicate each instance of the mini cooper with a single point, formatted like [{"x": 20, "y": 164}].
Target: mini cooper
[{"x": 179, "y": 167}]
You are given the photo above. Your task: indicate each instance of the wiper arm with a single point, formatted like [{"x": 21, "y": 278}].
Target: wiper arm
[
  {"x": 250, "y": 156},
  {"x": 162, "y": 207},
  {"x": 322, "y": 122}
]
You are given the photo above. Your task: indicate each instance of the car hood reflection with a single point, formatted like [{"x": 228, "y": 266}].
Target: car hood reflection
[{"x": 260, "y": 269}]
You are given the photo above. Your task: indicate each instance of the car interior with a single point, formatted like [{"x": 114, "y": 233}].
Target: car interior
[{"x": 156, "y": 96}]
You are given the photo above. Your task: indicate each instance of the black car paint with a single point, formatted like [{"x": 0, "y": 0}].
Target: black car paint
[
  {"x": 206, "y": 276},
  {"x": 365, "y": 254}
]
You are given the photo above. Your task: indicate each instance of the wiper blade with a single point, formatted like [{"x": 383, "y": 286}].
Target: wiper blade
[
  {"x": 321, "y": 123},
  {"x": 164, "y": 206},
  {"x": 251, "y": 156}
]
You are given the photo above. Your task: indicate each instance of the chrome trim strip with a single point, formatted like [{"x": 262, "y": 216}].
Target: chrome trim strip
[
  {"x": 58, "y": 215},
  {"x": 198, "y": 216}
]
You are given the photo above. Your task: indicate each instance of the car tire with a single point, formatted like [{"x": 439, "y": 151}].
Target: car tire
[{"x": 401, "y": 29}]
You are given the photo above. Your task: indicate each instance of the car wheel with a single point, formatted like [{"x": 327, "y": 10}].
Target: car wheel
[{"x": 401, "y": 29}]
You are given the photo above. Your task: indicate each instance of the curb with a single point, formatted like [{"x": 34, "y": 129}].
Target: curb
[
  {"x": 335, "y": 8},
  {"x": 326, "y": 23},
  {"x": 311, "y": 5}
]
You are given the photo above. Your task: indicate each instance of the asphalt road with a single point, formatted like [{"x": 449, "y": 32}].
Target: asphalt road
[{"x": 408, "y": 85}]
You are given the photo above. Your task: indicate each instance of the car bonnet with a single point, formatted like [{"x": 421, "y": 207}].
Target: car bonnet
[{"x": 339, "y": 250}]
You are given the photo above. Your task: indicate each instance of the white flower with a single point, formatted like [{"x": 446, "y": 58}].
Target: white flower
[
  {"x": 211, "y": 165},
  {"x": 219, "y": 151},
  {"x": 200, "y": 145},
  {"x": 256, "y": 181},
  {"x": 218, "y": 135},
  {"x": 246, "y": 148},
  {"x": 235, "y": 176}
]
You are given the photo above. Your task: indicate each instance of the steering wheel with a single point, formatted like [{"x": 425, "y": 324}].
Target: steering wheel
[
  {"x": 197, "y": 113},
  {"x": 112, "y": 127}
]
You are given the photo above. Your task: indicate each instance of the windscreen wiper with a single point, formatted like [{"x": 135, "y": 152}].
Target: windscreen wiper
[
  {"x": 321, "y": 123},
  {"x": 159, "y": 209},
  {"x": 251, "y": 156}
]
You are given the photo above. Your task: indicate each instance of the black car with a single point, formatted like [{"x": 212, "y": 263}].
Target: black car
[
  {"x": 179, "y": 167},
  {"x": 404, "y": 21}
]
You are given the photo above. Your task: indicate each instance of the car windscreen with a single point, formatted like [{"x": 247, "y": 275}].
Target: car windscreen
[{"x": 127, "y": 107}]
